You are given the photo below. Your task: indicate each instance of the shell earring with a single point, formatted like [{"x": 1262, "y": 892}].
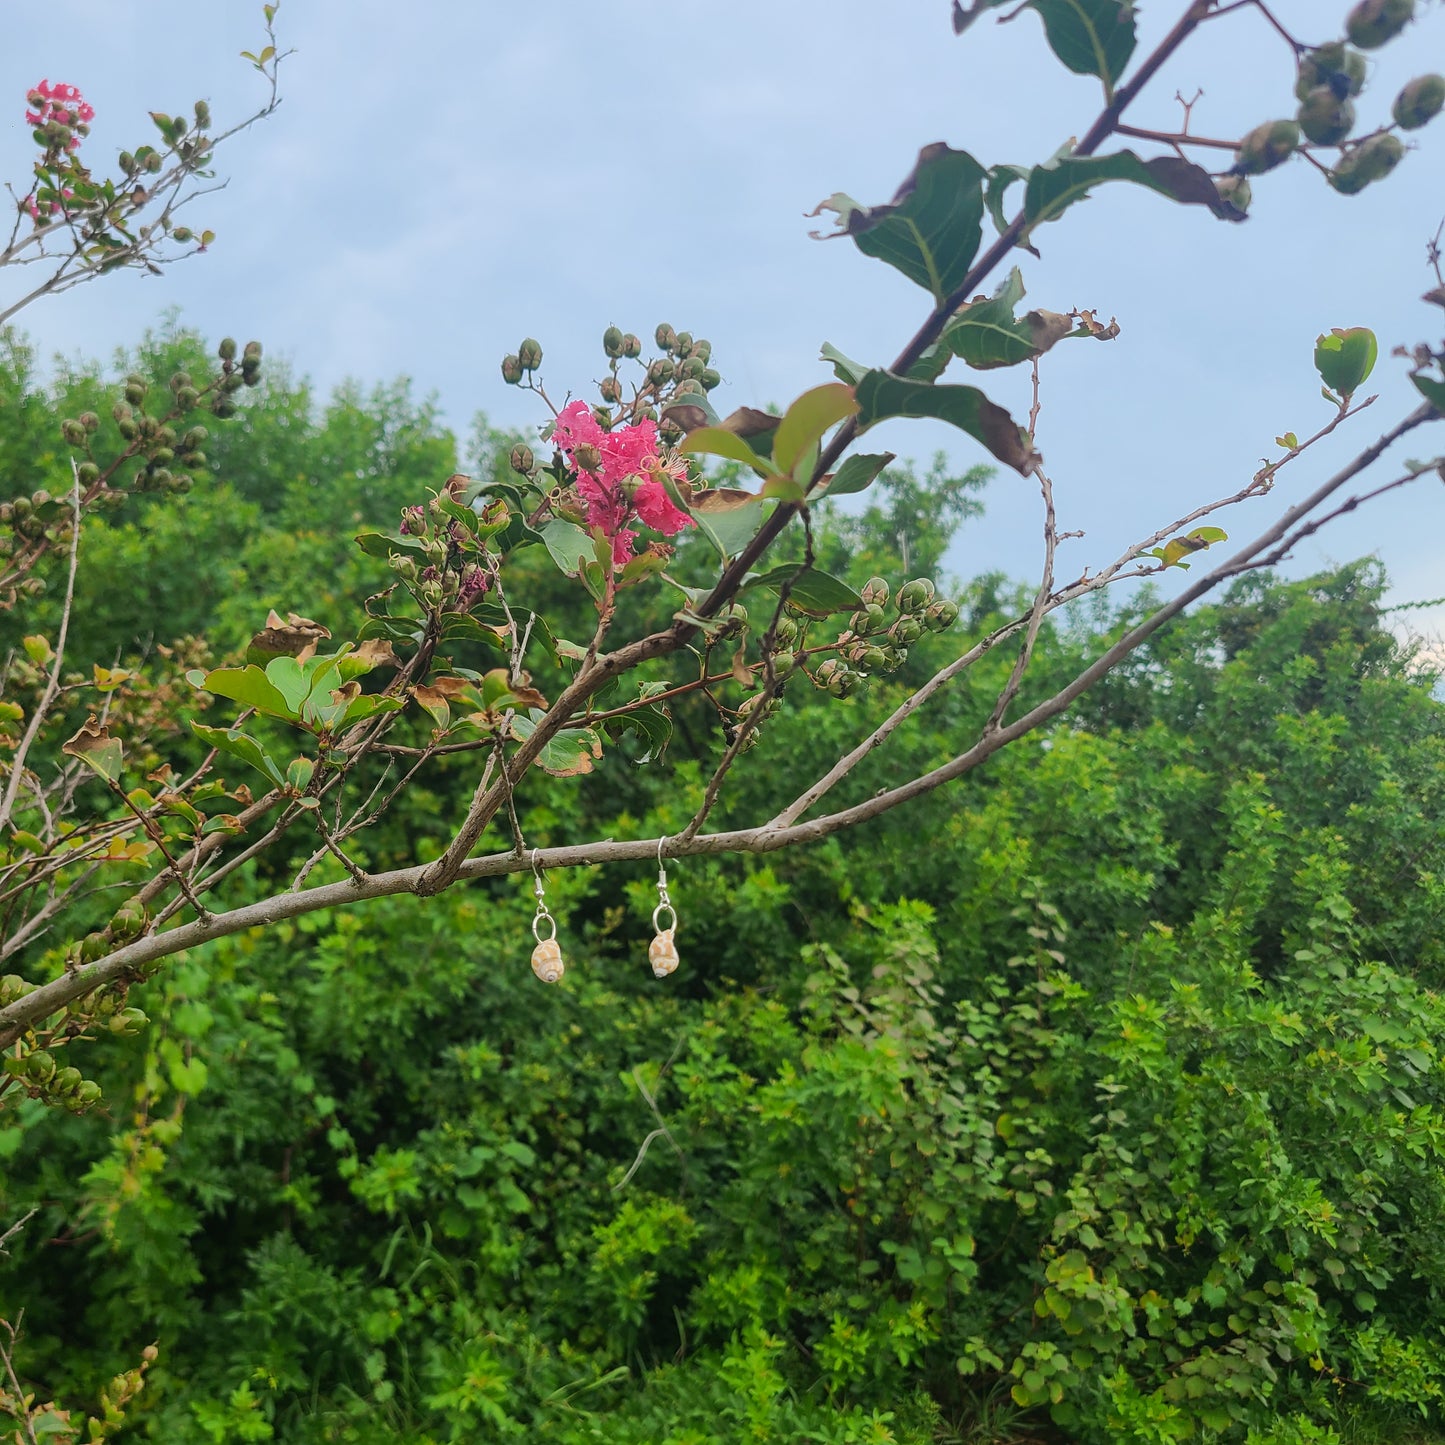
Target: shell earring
[
  {"x": 662, "y": 951},
  {"x": 547, "y": 955}
]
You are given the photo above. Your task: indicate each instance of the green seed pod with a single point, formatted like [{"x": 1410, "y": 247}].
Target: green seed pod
[
  {"x": 827, "y": 671},
  {"x": 187, "y": 397},
  {"x": 612, "y": 340},
  {"x": 153, "y": 162},
  {"x": 203, "y": 115},
  {"x": 39, "y": 1066},
  {"x": 87, "y": 1094},
  {"x": 1420, "y": 102},
  {"x": 1373, "y": 22},
  {"x": 688, "y": 388},
  {"x": 196, "y": 460},
  {"x": 20, "y": 508},
  {"x": 251, "y": 352},
  {"x": 1324, "y": 118},
  {"x": 7, "y": 513},
  {"x": 511, "y": 370},
  {"x": 1267, "y": 146},
  {"x": 33, "y": 587},
  {"x": 88, "y": 473},
  {"x": 915, "y": 596},
  {"x": 940, "y": 615},
  {"x": 875, "y": 591},
  {"x": 94, "y": 946},
  {"x": 661, "y": 371},
  {"x": 786, "y": 632},
  {"x": 665, "y": 336},
  {"x": 73, "y": 432},
  {"x": 40, "y": 497},
  {"x": 127, "y": 163},
  {"x": 529, "y": 353},
  {"x": 129, "y": 430},
  {"x": 90, "y": 421},
  {"x": 163, "y": 456},
  {"x": 522, "y": 459},
  {"x": 1371, "y": 160},
  {"x": 181, "y": 483},
  {"x": 68, "y": 1080},
  {"x": 872, "y": 659},
  {"x": 710, "y": 379},
  {"x": 134, "y": 394},
  {"x": 195, "y": 436},
  {"x": 691, "y": 369},
  {"x": 894, "y": 657},
  {"x": 631, "y": 347},
  {"x": 700, "y": 349},
  {"x": 610, "y": 390},
  {"x": 182, "y": 234},
  {"x": 784, "y": 662},
  {"x": 1334, "y": 65},
  {"x": 1235, "y": 190},
  {"x": 683, "y": 342},
  {"x": 128, "y": 1021},
  {"x": 844, "y": 682},
  {"x": 227, "y": 349}
]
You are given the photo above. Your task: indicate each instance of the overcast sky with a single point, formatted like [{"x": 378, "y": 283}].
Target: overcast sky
[{"x": 444, "y": 178}]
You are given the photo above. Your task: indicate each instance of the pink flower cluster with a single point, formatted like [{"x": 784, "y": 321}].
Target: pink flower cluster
[
  {"x": 619, "y": 476},
  {"x": 63, "y": 103}
]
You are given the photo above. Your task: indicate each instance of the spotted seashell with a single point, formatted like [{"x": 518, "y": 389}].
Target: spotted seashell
[
  {"x": 662, "y": 954},
  {"x": 547, "y": 960}
]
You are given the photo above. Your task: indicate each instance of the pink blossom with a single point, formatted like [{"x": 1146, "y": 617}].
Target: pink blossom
[
  {"x": 627, "y": 454},
  {"x": 63, "y": 103}
]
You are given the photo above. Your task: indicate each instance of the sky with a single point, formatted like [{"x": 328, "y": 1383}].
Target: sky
[{"x": 445, "y": 178}]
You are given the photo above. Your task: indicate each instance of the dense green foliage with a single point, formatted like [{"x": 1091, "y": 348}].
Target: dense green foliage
[{"x": 1100, "y": 1094}]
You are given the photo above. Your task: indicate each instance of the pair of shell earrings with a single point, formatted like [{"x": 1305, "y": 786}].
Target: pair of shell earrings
[{"x": 547, "y": 955}]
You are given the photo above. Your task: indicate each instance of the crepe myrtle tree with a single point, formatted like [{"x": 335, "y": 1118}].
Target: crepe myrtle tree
[{"x": 310, "y": 739}]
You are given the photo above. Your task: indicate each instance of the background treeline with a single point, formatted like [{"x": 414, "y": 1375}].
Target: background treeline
[{"x": 1097, "y": 1098}]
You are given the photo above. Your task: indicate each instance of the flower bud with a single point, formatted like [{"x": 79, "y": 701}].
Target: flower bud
[
  {"x": 88, "y": 473},
  {"x": 786, "y": 632},
  {"x": 163, "y": 456},
  {"x": 227, "y": 349},
  {"x": 1371, "y": 160},
  {"x": 182, "y": 234},
  {"x": 529, "y": 354},
  {"x": 153, "y": 162},
  {"x": 1267, "y": 146},
  {"x": 710, "y": 379},
  {"x": 683, "y": 341},
  {"x": 127, "y": 163},
  {"x": 700, "y": 349},
  {"x": 660, "y": 372},
  {"x": 941, "y": 615},
  {"x": 1334, "y": 65},
  {"x": 187, "y": 397},
  {"x": 1420, "y": 102},
  {"x": 522, "y": 459},
  {"x": 612, "y": 340},
  {"x": 1324, "y": 118},
  {"x": 1235, "y": 190},
  {"x": 872, "y": 659},
  {"x": 631, "y": 347},
  {"x": 203, "y": 115},
  {"x": 587, "y": 457},
  {"x": 512, "y": 370},
  {"x": 610, "y": 390},
  {"x": 915, "y": 596},
  {"x": 665, "y": 337},
  {"x": 784, "y": 662},
  {"x": 73, "y": 432},
  {"x": 1373, "y": 22}
]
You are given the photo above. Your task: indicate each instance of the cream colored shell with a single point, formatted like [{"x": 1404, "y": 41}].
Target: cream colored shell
[
  {"x": 547, "y": 960},
  {"x": 662, "y": 954}
]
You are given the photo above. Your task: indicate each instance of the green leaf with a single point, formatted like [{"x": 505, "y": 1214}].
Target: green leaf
[
  {"x": 1345, "y": 358},
  {"x": 1054, "y": 187},
  {"x": 653, "y": 725},
  {"x": 241, "y": 745},
  {"x": 248, "y": 686},
  {"x": 808, "y": 419},
  {"x": 813, "y": 591},
  {"x": 292, "y": 680},
  {"x": 858, "y": 473},
  {"x": 94, "y": 746},
  {"x": 844, "y": 367},
  {"x": 716, "y": 441},
  {"x": 1091, "y": 37},
  {"x": 1433, "y": 391},
  {"x": 1000, "y": 178},
  {"x": 728, "y": 519},
  {"x": 368, "y": 705},
  {"x": 931, "y": 229},
  {"x": 383, "y": 544},
  {"x": 986, "y": 334},
  {"x": 570, "y": 547},
  {"x": 882, "y": 395},
  {"x": 567, "y": 754}
]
